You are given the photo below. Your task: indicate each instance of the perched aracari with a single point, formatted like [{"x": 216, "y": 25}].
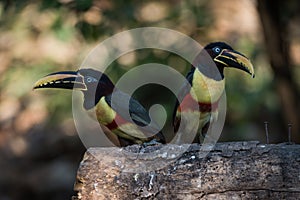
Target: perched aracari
[
  {"x": 98, "y": 91},
  {"x": 206, "y": 78}
]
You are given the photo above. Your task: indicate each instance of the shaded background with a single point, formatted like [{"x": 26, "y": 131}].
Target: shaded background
[{"x": 39, "y": 146}]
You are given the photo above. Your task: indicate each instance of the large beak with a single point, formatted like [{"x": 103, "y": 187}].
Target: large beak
[
  {"x": 64, "y": 80},
  {"x": 231, "y": 58}
]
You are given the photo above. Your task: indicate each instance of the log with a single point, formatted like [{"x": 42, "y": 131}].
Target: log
[{"x": 233, "y": 170}]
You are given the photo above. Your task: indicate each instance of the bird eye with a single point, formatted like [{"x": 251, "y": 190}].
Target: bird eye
[
  {"x": 217, "y": 49},
  {"x": 90, "y": 79}
]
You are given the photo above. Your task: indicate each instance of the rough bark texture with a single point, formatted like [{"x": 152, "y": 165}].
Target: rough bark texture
[{"x": 237, "y": 170}]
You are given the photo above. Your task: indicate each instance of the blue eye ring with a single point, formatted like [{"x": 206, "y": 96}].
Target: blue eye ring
[
  {"x": 90, "y": 79},
  {"x": 217, "y": 49}
]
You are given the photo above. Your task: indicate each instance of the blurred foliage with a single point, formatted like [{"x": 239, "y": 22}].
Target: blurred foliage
[
  {"x": 40, "y": 37},
  {"x": 44, "y": 36}
]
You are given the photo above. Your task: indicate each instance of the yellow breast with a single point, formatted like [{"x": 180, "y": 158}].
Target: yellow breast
[
  {"x": 206, "y": 90},
  {"x": 104, "y": 113}
]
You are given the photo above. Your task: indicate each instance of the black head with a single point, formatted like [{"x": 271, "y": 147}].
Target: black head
[
  {"x": 224, "y": 55},
  {"x": 97, "y": 84},
  {"x": 214, "y": 49}
]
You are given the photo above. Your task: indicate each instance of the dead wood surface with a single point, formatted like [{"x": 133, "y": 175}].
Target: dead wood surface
[{"x": 235, "y": 170}]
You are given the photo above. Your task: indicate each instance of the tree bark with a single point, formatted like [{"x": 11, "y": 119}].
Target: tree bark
[{"x": 237, "y": 170}]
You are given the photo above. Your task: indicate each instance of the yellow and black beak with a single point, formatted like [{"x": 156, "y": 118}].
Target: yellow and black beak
[
  {"x": 231, "y": 58},
  {"x": 64, "y": 80}
]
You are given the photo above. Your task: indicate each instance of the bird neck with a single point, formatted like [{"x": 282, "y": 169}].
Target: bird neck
[
  {"x": 93, "y": 95},
  {"x": 221, "y": 70},
  {"x": 206, "y": 65}
]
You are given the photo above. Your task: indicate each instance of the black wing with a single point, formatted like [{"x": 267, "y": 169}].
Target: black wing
[{"x": 137, "y": 112}]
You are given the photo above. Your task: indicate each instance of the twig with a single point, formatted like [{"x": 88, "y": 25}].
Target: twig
[
  {"x": 290, "y": 133},
  {"x": 267, "y": 132}
]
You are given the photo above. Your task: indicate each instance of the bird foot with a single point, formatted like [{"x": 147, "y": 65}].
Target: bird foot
[
  {"x": 144, "y": 147},
  {"x": 153, "y": 142}
]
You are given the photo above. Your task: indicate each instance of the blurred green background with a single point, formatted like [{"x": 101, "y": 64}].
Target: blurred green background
[{"x": 39, "y": 146}]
